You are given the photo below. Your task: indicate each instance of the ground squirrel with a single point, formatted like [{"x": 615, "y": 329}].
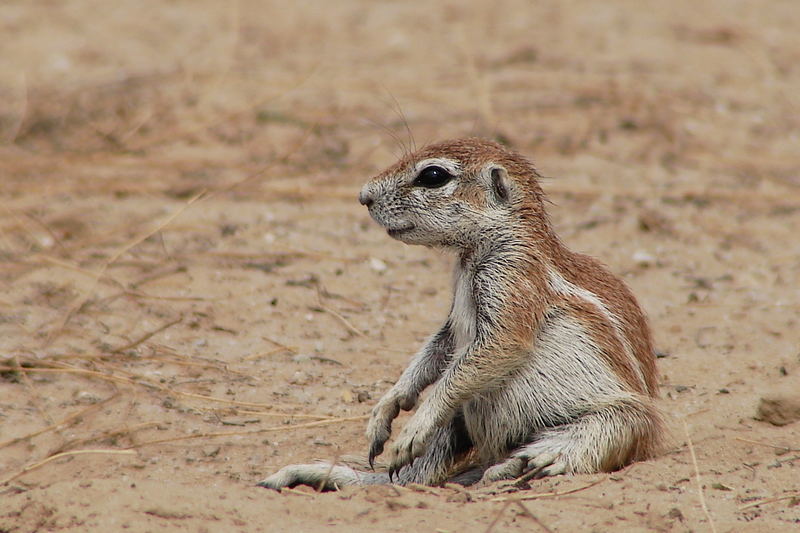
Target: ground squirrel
[{"x": 545, "y": 363}]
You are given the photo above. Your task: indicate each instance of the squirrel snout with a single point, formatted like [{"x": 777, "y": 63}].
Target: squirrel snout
[{"x": 366, "y": 197}]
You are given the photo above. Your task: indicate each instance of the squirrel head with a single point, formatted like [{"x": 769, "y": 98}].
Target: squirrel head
[{"x": 456, "y": 194}]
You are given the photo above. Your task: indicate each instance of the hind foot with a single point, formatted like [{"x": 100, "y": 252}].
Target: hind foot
[{"x": 521, "y": 465}]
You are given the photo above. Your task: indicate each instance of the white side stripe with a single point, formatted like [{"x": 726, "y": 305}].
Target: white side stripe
[{"x": 561, "y": 286}]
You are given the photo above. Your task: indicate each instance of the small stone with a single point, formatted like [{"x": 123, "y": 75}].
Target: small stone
[
  {"x": 362, "y": 396},
  {"x": 300, "y": 378},
  {"x": 377, "y": 265},
  {"x": 779, "y": 410},
  {"x": 87, "y": 397},
  {"x": 644, "y": 259},
  {"x": 675, "y": 514}
]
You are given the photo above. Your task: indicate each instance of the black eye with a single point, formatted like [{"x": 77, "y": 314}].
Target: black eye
[{"x": 432, "y": 177}]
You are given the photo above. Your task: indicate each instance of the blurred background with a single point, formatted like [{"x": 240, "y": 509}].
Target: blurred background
[
  {"x": 687, "y": 88},
  {"x": 185, "y": 272}
]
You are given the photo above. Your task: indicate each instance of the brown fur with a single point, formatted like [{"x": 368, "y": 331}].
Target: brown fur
[{"x": 545, "y": 361}]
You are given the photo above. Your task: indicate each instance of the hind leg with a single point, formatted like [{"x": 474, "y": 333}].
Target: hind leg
[
  {"x": 432, "y": 468},
  {"x": 602, "y": 441}
]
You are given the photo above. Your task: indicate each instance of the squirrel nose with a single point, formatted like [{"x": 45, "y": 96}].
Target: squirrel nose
[{"x": 365, "y": 197}]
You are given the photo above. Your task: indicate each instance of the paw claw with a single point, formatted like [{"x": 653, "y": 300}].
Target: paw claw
[
  {"x": 556, "y": 469},
  {"x": 542, "y": 460},
  {"x": 552, "y": 469},
  {"x": 374, "y": 451}
]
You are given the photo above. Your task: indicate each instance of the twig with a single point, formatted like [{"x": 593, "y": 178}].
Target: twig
[
  {"x": 218, "y": 400},
  {"x": 146, "y": 336},
  {"x": 69, "y": 266},
  {"x": 416, "y": 487},
  {"x": 284, "y": 415},
  {"x": 107, "y": 434},
  {"x": 769, "y": 500},
  {"x": 138, "y": 381},
  {"x": 324, "y": 481},
  {"x": 270, "y": 429},
  {"x": 497, "y": 517},
  {"x": 40, "y": 464},
  {"x": 700, "y": 493},
  {"x": 281, "y": 160},
  {"x": 529, "y": 475},
  {"x": 253, "y": 357},
  {"x": 540, "y": 495},
  {"x": 336, "y": 314},
  {"x": 341, "y": 319},
  {"x": 160, "y": 273},
  {"x": 533, "y": 517},
  {"x": 48, "y": 230},
  {"x": 36, "y": 399},
  {"x": 275, "y": 250},
  {"x": 479, "y": 82},
  {"x": 79, "y": 371},
  {"x": 784, "y": 449},
  {"x": 173, "y": 358},
  {"x": 17, "y": 127},
  {"x": 101, "y": 272},
  {"x": 62, "y": 422},
  {"x": 295, "y": 491}
]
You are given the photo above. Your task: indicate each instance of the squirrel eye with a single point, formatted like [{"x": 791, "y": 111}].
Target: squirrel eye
[{"x": 432, "y": 177}]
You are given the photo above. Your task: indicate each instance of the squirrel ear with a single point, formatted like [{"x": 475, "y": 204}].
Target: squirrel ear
[{"x": 501, "y": 185}]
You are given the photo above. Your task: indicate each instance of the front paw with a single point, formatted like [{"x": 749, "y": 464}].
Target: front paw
[
  {"x": 379, "y": 427},
  {"x": 412, "y": 442}
]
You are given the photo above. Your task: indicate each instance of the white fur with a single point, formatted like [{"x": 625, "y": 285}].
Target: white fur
[
  {"x": 560, "y": 285},
  {"x": 463, "y": 313}
]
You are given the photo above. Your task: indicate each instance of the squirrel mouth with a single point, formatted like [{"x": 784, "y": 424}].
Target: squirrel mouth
[{"x": 394, "y": 232}]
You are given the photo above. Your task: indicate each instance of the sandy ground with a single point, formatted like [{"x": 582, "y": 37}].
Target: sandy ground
[{"x": 196, "y": 299}]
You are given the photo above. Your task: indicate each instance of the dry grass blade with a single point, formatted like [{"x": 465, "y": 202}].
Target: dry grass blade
[
  {"x": 64, "y": 421},
  {"x": 56, "y": 331},
  {"x": 141, "y": 382},
  {"x": 106, "y": 435},
  {"x": 767, "y": 501},
  {"x": 284, "y": 415},
  {"x": 497, "y": 517},
  {"x": 143, "y": 338},
  {"x": 215, "y": 399},
  {"x": 523, "y": 479},
  {"x": 746, "y": 198},
  {"x": 783, "y": 449},
  {"x": 271, "y": 429},
  {"x": 40, "y": 464},
  {"x": 281, "y": 160},
  {"x": 36, "y": 398},
  {"x": 295, "y": 491},
  {"x": 539, "y": 495},
  {"x": 350, "y": 327},
  {"x": 75, "y": 268},
  {"x": 145, "y": 296},
  {"x": 259, "y": 355},
  {"x": 69, "y": 370},
  {"x": 700, "y": 492},
  {"x": 527, "y": 512}
]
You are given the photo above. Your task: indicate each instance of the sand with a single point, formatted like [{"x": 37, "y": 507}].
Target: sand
[{"x": 196, "y": 298}]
